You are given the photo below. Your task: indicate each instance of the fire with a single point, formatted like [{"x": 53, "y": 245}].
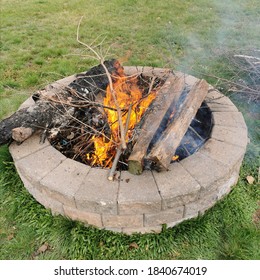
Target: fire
[{"x": 128, "y": 94}]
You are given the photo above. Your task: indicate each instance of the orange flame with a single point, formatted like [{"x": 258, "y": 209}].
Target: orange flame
[{"x": 127, "y": 94}]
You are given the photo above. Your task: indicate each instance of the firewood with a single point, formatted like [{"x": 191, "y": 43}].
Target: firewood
[
  {"x": 59, "y": 106},
  {"x": 185, "y": 110},
  {"x": 153, "y": 119},
  {"x": 20, "y": 134}
]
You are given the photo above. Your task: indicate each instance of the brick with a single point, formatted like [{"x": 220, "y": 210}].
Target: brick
[
  {"x": 232, "y": 135},
  {"x": 233, "y": 119},
  {"x": 203, "y": 169},
  {"x": 176, "y": 186},
  {"x": 120, "y": 221},
  {"x": 83, "y": 216},
  {"x": 224, "y": 152},
  {"x": 218, "y": 102},
  {"x": 164, "y": 217},
  {"x": 173, "y": 224},
  {"x": 37, "y": 165},
  {"x": 27, "y": 103},
  {"x": 147, "y": 71},
  {"x": 48, "y": 202},
  {"x": 64, "y": 181},
  {"x": 118, "y": 230},
  {"x": 44, "y": 200},
  {"x": 195, "y": 208},
  {"x": 138, "y": 194},
  {"x": 189, "y": 80},
  {"x": 27, "y": 184},
  {"x": 142, "y": 230},
  {"x": 225, "y": 187},
  {"x": 97, "y": 194},
  {"x": 61, "y": 83},
  {"x": 28, "y": 147}
]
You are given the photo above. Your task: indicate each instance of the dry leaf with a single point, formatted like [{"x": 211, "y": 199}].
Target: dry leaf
[
  {"x": 133, "y": 245},
  {"x": 43, "y": 248},
  {"x": 250, "y": 179},
  {"x": 71, "y": 136},
  {"x": 10, "y": 236}
]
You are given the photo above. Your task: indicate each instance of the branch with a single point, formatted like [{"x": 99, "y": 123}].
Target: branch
[
  {"x": 113, "y": 92},
  {"x": 120, "y": 148}
]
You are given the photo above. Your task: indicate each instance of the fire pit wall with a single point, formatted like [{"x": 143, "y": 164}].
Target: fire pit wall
[{"x": 137, "y": 203}]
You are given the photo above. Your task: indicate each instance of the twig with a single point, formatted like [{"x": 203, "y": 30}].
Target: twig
[
  {"x": 151, "y": 85},
  {"x": 120, "y": 148},
  {"x": 113, "y": 92},
  {"x": 247, "y": 56}
]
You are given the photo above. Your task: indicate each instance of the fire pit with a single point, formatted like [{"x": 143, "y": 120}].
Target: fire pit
[{"x": 143, "y": 203}]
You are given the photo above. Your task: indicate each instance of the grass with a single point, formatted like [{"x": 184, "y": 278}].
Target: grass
[{"x": 38, "y": 46}]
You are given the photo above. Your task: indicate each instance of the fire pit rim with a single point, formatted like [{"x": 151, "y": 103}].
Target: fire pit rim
[{"x": 137, "y": 203}]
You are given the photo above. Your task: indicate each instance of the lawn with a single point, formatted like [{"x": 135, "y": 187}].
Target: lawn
[{"x": 39, "y": 46}]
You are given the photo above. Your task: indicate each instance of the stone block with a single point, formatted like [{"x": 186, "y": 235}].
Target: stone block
[
  {"x": 164, "y": 217},
  {"x": 198, "y": 207},
  {"x": 142, "y": 230},
  {"x": 48, "y": 202},
  {"x": 28, "y": 147},
  {"x": 224, "y": 152},
  {"x": 225, "y": 187},
  {"x": 83, "y": 216},
  {"x": 218, "y": 102},
  {"x": 138, "y": 194},
  {"x": 233, "y": 119},
  {"x": 37, "y": 165},
  {"x": 61, "y": 83},
  {"x": 118, "y": 230},
  {"x": 27, "y": 103},
  {"x": 189, "y": 80},
  {"x": 232, "y": 135},
  {"x": 63, "y": 182},
  {"x": 173, "y": 224},
  {"x": 205, "y": 170},
  {"x": 97, "y": 194},
  {"x": 177, "y": 187},
  {"x": 147, "y": 71},
  {"x": 121, "y": 221}
]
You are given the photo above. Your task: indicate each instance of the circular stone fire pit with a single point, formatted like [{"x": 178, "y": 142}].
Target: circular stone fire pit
[{"x": 137, "y": 203}]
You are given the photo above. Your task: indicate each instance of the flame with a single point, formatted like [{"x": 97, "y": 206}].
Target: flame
[
  {"x": 175, "y": 157},
  {"x": 127, "y": 94}
]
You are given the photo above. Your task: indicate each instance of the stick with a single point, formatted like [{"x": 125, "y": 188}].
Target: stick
[
  {"x": 101, "y": 59},
  {"x": 247, "y": 56},
  {"x": 120, "y": 148}
]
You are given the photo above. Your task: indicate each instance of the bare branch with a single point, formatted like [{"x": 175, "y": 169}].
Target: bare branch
[
  {"x": 112, "y": 90},
  {"x": 120, "y": 148}
]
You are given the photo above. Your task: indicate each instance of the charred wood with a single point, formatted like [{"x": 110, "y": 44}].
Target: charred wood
[
  {"x": 59, "y": 107},
  {"x": 153, "y": 119},
  {"x": 186, "y": 108}
]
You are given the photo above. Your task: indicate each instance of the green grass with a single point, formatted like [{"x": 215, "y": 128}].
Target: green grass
[{"x": 38, "y": 46}]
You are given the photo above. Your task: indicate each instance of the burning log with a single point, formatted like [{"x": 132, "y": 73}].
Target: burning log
[
  {"x": 176, "y": 120},
  {"x": 153, "y": 119},
  {"x": 163, "y": 150}
]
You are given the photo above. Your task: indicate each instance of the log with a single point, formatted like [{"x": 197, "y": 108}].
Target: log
[
  {"x": 153, "y": 120},
  {"x": 35, "y": 117},
  {"x": 59, "y": 106},
  {"x": 163, "y": 150}
]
